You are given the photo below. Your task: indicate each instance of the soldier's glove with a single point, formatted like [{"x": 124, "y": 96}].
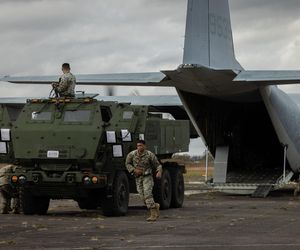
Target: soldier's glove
[
  {"x": 158, "y": 175},
  {"x": 54, "y": 85},
  {"x": 138, "y": 172}
]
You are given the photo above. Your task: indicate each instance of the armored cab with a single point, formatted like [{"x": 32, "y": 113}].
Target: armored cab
[{"x": 76, "y": 149}]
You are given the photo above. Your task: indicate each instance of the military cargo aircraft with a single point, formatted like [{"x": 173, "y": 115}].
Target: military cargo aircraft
[{"x": 247, "y": 122}]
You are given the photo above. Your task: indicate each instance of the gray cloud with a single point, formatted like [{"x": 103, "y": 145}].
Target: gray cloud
[
  {"x": 266, "y": 32},
  {"x": 133, "y": 36}
]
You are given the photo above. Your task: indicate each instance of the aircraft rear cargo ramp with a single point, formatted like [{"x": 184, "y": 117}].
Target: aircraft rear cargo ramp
[{"x": 257, "y": 182}]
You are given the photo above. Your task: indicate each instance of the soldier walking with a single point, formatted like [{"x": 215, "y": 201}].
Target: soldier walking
[
  {"x": 141, "y": 163},
  {"x": 8, "y": 193},
  {"x": 66, "y": 84}
]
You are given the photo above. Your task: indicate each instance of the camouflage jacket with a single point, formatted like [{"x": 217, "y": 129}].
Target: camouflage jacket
[
  {"x": 66, "y": 85},
  {"x": 3, "y": 174},
  {"x": 147, "y": 161}
]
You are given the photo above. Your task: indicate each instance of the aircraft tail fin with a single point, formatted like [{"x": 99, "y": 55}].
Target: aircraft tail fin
[{"x": 208, "y": 37}]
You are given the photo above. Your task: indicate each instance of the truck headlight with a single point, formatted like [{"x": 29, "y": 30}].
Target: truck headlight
[
  {"x": 14, "y": 179},
  {"x": 22, "y": 179},
  {"x": 86, "y": 180},
  {"x": 95, "y": 179}
]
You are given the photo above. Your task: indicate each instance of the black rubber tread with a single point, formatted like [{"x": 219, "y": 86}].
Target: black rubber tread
[
  {"x": 163, "y": 190},
  {"x": 177, "y": 188},
  {"x": 42, "y": 205},
  {"x": 91, "y": 203},
  {"x": 117, "y": 203},
  {"x": 27, "y": 202},
  {"x": 31, "y": 204}
]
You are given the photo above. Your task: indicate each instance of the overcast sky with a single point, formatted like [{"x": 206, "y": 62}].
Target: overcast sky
[{"x": 104, "y": 36}]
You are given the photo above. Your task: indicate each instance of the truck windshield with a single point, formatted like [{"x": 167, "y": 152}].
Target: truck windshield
[
  {"x": 127, "y": 115},
  {"x": 41, "y": 116},
  {"x": 77, "y": 116}
]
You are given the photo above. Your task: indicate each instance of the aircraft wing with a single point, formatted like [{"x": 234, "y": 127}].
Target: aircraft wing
[
  {"x": 120, "y": 79},
  {"x": 269, "y": 77}
]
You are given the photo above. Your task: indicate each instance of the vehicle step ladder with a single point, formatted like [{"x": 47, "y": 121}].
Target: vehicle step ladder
[
  {"x": 220, "y": 164},
  {"x": 262, "y": 191}
]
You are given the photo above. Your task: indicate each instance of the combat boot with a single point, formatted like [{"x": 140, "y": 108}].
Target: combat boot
[{"x": 153, "y": 215}]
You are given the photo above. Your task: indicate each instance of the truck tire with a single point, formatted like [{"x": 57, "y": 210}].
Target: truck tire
[
  {"x": 91, "y": 203},
  {"x": 163, "y": 190},
  {"x": 117, "y": 203},
  {"x": 27, "y": 202},
  {"x": 177, "y": 188},
  {"x": 31, "y": 204},
  {"x": 42, "y": 205}
]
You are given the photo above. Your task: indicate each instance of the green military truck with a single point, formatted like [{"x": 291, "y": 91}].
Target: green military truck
[{"x": 76, "y": 149}]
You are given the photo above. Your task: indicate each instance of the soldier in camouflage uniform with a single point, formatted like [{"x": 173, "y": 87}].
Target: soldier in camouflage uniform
[
  {"x": 66, "y": 85},
  {"x": 8, "y": 193},
  {"x": 141, "y": 163}
]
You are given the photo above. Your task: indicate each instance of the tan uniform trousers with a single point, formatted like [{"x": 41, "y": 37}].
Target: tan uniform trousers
[{"x": 144, "y": 186}]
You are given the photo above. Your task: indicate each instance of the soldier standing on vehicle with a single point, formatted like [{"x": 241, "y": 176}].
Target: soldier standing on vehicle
[
  {"x": 8, "y": 193},
  {"x": 141, "y": 163},
  {"x": 66, "y": 84}
]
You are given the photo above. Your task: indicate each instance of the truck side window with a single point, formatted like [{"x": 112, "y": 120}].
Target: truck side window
[
  {"x": 106, "y": 114},
  {"x": 41, "y": 116}
]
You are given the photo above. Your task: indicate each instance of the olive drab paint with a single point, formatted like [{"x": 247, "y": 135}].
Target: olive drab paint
[{"x": 76, "y": 148}]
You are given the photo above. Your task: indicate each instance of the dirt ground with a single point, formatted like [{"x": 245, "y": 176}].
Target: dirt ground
[{"x": 206, "y": 221}]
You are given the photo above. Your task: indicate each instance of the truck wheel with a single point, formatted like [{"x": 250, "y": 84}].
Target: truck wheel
[
  {"x": 117, "y": 203},
  {"x": 42, "y": 205},
  {"x": 27, "y": 202},
  {"x": 177, "y": 188},
  {"x": 163, "y": 190},
  {"x": 88, "y": 203},
  {"x": 31, "y": 204}
]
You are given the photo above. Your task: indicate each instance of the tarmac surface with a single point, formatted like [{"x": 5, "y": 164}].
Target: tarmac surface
[{"x": 207, "y": 221}]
